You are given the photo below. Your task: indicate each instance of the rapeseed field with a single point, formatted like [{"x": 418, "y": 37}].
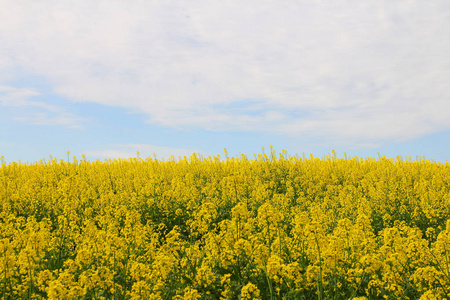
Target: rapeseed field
[{"x": 271, "y": 227}]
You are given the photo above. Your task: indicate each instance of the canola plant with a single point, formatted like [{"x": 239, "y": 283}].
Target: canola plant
[{"x": 271, "y": 227}]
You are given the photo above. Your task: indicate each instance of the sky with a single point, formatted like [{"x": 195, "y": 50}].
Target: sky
[{"x": 110, "y": 78}]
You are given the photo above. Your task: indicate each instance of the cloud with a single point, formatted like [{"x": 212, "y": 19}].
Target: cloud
[
  {"x": 12, "y": 96},
  {"x": 26, "y": 109},
  {"x": 145, "y": 150},
  {"x": 361, "y": 73}
]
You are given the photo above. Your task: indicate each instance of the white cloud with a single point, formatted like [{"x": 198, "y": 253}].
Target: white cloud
[
  {"x": 36, "y": 112},
  {"x": 361, "y": 72},
  {"x": 145, "y": 150},
  {"x": 12, "y": 96}
]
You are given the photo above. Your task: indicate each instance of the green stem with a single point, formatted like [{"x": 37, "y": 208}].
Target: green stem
[
  {"x": 269, "y": 283},
  {"x": 319, "y": 281}
]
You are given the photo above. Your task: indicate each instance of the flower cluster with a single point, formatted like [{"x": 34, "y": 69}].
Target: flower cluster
[{"x": 272, "y": 227}]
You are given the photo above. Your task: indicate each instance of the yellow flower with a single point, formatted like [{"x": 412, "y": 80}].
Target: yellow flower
[{"x": 250, "y": 292}]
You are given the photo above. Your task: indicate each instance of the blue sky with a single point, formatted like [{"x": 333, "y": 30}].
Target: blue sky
[{"x": 110, "y": 78}]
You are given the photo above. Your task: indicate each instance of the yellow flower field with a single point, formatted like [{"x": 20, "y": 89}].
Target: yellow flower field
[{"x": 270, "y": 227}]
